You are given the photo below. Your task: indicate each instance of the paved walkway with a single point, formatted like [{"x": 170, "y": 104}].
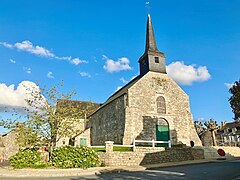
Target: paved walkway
[{"x": 7, "y": 171}]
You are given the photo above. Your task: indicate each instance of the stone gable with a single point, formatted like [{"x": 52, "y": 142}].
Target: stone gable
[{"x": 142, "y": 110}]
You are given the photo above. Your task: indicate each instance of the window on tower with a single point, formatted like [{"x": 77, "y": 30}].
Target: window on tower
[
  {"x": 156, "y": 59},
  {"x": 143, "y": 63}
]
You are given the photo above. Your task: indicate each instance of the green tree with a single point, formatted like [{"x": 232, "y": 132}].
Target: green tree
[
  {"x": 49, "y": 116},
  {"x": 234, "y": 100}
]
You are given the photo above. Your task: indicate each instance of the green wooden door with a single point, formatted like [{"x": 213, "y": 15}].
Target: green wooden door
[
  {"x": 162, "y": 134},
  {"x": 83, "y": 141}
]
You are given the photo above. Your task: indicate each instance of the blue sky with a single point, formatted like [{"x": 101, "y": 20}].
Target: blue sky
[{"x": 94, "y": 47}]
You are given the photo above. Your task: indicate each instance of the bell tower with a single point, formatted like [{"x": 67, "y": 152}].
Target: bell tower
[{"x": 152, "y": 59}]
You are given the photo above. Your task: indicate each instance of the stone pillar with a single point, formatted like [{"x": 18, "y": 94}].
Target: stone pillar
[{"x": 109, "y": 146}]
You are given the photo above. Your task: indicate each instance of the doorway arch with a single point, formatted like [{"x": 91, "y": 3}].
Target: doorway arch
[{"x": 162, "y": 131}]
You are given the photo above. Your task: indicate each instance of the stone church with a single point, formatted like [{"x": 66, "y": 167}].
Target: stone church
[{"x": 151, "y": 106}]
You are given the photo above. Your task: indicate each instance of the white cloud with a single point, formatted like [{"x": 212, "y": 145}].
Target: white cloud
[
  {"x": 123, "y": 80},
  {"x": 50, "y": 75},
  {"x": 27, "y": 70},
  {"x": 115, "y": 66},
  {"x": 12, "y": 61},
  {"x": 37, "y": 50},
  {"x": 7, "y": 45},
  {"x": 28, "y": 46},
  {"x": 11, "y": 97},
  {"x": 229, "y": 85},
  {"x": 187, "y": 74},
  {"x": 85, "y": 74},
  {"x": 77, "y": 61}
]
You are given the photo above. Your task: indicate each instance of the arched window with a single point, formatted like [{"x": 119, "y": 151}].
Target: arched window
[{"x": 161, "y": 105}]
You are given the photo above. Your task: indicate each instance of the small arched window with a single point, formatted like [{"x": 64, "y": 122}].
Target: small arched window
[{"x": 161, "y": 105}]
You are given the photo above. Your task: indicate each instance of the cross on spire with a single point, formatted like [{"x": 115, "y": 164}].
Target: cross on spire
[{"x": 148, "y": 6}]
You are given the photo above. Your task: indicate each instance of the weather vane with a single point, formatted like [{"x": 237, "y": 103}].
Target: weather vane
[{"x": 148, "y": 6}]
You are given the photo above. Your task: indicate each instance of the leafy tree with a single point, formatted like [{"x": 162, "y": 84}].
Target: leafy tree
[
  {"x": 235, "y": 100},
  {"x": 49, "y": 116}
]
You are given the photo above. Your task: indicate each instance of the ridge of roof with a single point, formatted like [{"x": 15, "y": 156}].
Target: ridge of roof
[{"x": 118, "y": 93}]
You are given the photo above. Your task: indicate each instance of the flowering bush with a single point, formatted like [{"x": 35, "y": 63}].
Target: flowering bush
[
  {"x": 27, "y": 158},
  {"x": 74, "y": 157}
]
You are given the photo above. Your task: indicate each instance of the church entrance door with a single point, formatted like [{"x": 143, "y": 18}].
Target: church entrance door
[{"x": 162, "y": 134}]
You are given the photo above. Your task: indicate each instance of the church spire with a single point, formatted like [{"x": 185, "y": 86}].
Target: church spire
[
  {"x": 152, "y": 59},
  {"x": 150, "y": 38}
]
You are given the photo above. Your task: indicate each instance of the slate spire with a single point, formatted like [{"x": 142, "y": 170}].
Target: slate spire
[
  {"x": 150, "y": 38},
  {"x": 152, "y": 59}
]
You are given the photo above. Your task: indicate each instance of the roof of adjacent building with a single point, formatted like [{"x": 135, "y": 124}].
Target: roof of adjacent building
[
  {"x": 87, "y": 106},
  {"x": 231, "y": 125}
]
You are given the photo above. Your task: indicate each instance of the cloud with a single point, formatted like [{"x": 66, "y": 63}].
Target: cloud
[
  {"x": 28, "y": 46},
  {"x": 85, "y": 74},
  {"x": 187, "y": 74},
  {"x": 37, "y": 50},
  {"x": 50, "y": 75},
  {"x": 77, "y": 61},
  {"x": 12, "y": 61},
  {"x": 27, "y": 70},
  {"x": 123, "y": 80},
  {"x": 7, "y": 45},
  {"x": 229, "y": 85},
  {"x": 116, "y": 66},
  {"x": 11, "y": 97}
]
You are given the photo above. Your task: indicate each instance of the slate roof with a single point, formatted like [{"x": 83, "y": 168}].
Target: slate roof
[
  {"x": 231, "y": 125},
  {"x": 119, "y": 93},
  {"x": 76, "y": 104}
]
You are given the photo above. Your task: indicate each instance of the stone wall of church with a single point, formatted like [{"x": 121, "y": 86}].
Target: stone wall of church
[
  {"x": 108, "y": 123},
  {"x": 142, "y": 114}
]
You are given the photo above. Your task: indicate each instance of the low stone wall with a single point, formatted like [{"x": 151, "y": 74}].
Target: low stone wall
[
  {"x": 144, "y": 156},
  {"x": 148, "y": 149},
  {"x": 233, "y": 151},
  {"x": 211, "y": 152}
]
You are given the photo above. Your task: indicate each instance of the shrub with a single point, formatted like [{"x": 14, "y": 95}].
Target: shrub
[
  {"x": 74, "y": 157},
  {"x": 26, "y": 158}
]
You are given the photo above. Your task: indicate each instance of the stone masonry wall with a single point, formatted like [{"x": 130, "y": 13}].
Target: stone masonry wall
[
  {"x": 144, "y": 156},
  {"x": 142, "y": 110},
  {"x": 10, "y": 146},
  {"x": 108, "y": 123},
  {"x": 211, "y": 152}
]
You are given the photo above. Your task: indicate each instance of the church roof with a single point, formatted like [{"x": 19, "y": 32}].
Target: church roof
[
  {"x": 119, "y": 93},
  {"x": 66, "y": 105}
]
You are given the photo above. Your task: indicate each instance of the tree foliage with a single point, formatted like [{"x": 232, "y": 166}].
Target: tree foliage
[
  {"x": 234, "y": 100},
  {"x": 49, "y": 116}
]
